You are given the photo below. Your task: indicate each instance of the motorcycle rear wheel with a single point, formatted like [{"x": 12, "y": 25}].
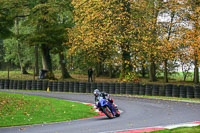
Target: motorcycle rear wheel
[{"x": 107, "y": 111}]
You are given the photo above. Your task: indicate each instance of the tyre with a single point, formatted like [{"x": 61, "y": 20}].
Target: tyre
[
  {"x": 117, "y": 113},
  {"x": 107, "y": 111}
]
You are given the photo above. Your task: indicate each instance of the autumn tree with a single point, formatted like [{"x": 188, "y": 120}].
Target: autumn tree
[
  {"x": 157, "y": 31},
  {"x": 193, "y": 34},
  {"x": 148, "y": 33},
  {"x": 167, "y": 21},
  {"x": 104, "y": 29},
  {"x": 90, "y": 36},
  {"x": 189, "y": 32}
]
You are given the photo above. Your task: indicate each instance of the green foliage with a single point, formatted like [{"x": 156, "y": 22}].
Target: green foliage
[
  {"x": 11, "y": 52},
  {"x": 1, "y": 51},
  {"x": 50, "y": 18},
  {"x": 101, "y": 30},
  {"x": 38, "y": 22},
  {"x": 6, "y": 20},
  {"x": 130, "y": 77},
  {"x": 16, "y": 45}
]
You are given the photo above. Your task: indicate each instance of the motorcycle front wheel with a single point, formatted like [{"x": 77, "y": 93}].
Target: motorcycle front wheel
[
  {"x": 117, "y": 113},
  {"x": 107, "y": 111}
]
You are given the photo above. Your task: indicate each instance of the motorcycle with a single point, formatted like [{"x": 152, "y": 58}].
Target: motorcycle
[{"x": 107, "y": 107}]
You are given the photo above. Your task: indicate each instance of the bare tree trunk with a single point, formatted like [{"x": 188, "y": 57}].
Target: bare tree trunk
[
  {"x": 110, "y": 70},
  {"x": 168, "y": 38},
  {"x": 165, "y": 72},
  {"x": 36, "y": 61},
  {"x": 126, "y": 65},
  {"x": 196, "y": 22},
  {"x": 196, "y": 71},
  {"x": 126, "y": 58},
  {"x": 64, "y": 71},
  {"x": 9, "y": 70},
  {"x": 156, "y": 7},
  {"x": 143, "y": 69},
  {"x": 143, "y": 72},
  {"x": 184, "y": 78},
  {"x": 23, "y": 68},
  {"x": 152, "y": 72},
  {"x": 46, "y": 61},
  {"x": 185, "y": 71},
  {"x": 99, "y": 69}
]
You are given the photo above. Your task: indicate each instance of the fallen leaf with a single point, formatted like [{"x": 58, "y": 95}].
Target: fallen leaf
[{"x": 22, "y": 128}]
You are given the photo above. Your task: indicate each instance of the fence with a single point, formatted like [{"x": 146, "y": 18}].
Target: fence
[{"x": 169, "y": 90}]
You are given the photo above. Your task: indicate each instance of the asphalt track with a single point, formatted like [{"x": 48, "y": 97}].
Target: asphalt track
[{"x": 137, "y": 113}]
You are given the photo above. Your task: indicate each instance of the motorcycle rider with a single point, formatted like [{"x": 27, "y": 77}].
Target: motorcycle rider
[
  {"x": 98, "y": 94},
  {"x": 106, "y": 96}
]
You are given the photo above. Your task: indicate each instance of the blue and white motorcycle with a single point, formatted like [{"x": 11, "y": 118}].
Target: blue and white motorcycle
[{"x": 108, "y": 107}]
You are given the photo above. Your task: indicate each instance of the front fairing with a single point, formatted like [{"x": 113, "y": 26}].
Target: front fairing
[{"x": 103, "y": 102}]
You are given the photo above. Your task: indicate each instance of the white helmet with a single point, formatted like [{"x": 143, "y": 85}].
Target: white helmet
[{"x": 96, "y": 92}]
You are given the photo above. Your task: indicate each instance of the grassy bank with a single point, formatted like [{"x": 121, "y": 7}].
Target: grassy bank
[
  {"x": 196, "y": 100},
  {"x": 18, "y": 109},
  {"x": 195, "y": 129}
]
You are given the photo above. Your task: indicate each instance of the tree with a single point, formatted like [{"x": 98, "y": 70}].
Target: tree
[
  {"x": 90, "y": 35},
  {"x": 46, "y": 20},
  {"x": 167, "y": 32},
  {"x": 16, "y": 15},
  {"x": 19, "y": 56},
  {"x": 46, "y": 16},
  {"x": 193, "y": 34},
  {"x": 104, "y": 29},
  {"x": 190, "y": 31},
  {"x": 148, "y": 30}
]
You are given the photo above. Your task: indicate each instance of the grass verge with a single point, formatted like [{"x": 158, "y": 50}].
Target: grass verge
[
  {"x": 18, "y": 109},
  {"x": 195, "y": 129},
  {"x": 195, "y": 100}
]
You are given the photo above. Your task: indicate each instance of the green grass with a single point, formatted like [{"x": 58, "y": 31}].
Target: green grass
[
  {"x": 18, "y": 109},
  {"x": 195, "y": 129},
  {"x": 15, "y": 75},
  {"x": 179, "y": 76},
  {"x": 175, "y": 98}
]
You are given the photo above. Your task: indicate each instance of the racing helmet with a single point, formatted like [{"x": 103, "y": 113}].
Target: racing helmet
[{"x": 96, "y": 92}]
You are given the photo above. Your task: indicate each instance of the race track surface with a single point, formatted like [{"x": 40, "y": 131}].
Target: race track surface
[{"x": 137, "y": 113}]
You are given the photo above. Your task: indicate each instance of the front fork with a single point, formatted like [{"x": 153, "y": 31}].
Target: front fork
[{"x": 113, "y": 108}]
